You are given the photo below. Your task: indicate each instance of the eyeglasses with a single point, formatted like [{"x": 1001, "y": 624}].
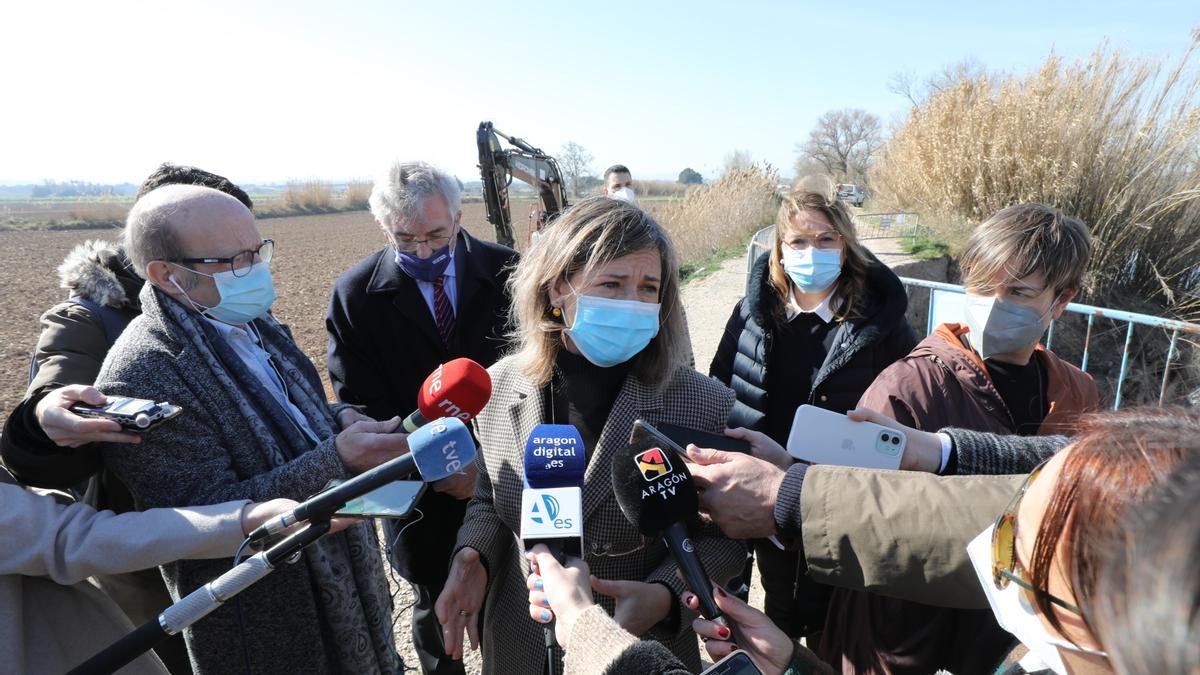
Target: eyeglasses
[
  {"x": 1005, "y": 566},
  {"x": 410, "y": 244},
  {"x": 239, "y": 264},
  {"x": 825, "y": 241}
]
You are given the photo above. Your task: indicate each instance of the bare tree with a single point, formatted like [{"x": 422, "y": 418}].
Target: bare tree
[
  {"x": 576, "y": 164},
  {"x": 906, "y": 84},
  {"x": 736, "y": 160},
  {"x": 844, "y": 142}
]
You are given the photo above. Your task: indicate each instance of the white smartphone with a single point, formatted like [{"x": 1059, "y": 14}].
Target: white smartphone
[{"x": 821, "y": 436}]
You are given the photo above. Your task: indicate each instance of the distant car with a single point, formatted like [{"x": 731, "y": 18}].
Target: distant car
[{"x": 851, "y": 194}]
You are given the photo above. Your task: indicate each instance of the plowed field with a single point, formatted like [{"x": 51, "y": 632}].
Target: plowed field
[{"x": 311, "y": 251}]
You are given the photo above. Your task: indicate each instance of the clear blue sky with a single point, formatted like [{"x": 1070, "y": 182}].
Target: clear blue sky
[{"x": 269, "y": 91}]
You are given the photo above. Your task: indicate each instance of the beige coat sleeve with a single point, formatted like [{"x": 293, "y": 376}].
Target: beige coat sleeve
[{"x": 902, "y": 534}]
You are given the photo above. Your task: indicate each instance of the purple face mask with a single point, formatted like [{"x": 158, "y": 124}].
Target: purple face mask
[{"x": 427, "y": 269}]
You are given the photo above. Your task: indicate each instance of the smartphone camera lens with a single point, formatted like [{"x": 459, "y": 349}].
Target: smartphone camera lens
[
  {"x": 884, "y": 438},
  {"x": 895, "y": 440}
]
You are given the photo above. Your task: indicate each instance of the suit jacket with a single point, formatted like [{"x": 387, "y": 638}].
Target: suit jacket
[
  {"x": 613, "y": 547},
  {"x": 383, "y": 343}
]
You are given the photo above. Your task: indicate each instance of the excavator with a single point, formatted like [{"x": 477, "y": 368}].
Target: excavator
[{"x": 500, "y": 165}]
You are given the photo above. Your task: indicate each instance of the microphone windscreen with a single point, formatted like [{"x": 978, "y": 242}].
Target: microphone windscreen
[
  {"x": 441, "y": 448},
  {"x": 653, "y": 486},
  {"x": 554, "y": 457},
  {"x": 458, "y": 388}
]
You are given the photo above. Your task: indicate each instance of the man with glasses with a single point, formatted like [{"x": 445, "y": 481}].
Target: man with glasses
[
  {"x": 432, "y": 293},
  {"x": 44, "y": 444},
  {"x": 255, "y": 425}
]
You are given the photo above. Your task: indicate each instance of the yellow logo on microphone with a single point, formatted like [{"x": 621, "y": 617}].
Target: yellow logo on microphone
[{"x": 653, "y": 464}]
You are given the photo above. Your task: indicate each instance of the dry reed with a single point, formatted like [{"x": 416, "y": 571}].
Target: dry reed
[
  {"x": 1111, "y": 139},
  {"x": 357, "y": 194},
  {"x": 308, "y": 196},
  {"x": 712, "y": 218}
]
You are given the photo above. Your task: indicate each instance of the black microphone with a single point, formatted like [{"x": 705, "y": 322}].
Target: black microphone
[
  {"x": 655, "y": 492},
  {"x": 438, "y": 449}
]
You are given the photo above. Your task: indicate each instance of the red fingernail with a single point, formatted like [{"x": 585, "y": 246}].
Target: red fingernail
[{"x": 723, "y": 632}]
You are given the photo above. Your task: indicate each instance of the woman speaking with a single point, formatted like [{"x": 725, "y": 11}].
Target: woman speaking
[{"x": 599, "y": 343}]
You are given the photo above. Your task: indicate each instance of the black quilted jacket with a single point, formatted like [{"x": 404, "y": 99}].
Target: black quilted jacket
[{"x": 864, "y": 346}]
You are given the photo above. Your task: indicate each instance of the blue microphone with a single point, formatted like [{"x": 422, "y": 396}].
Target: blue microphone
[
  {"x": 552, "y": 502},
  {"x": 439, "y": 449}
]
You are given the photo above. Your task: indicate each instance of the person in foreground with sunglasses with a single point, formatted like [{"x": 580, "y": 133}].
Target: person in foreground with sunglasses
[{"x": 1038, "y": 565}]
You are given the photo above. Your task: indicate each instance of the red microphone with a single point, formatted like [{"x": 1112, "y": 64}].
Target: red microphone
[{"x": 458, "y": 388}]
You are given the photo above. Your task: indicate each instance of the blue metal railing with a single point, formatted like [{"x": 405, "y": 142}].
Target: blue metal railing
[{"x": 1092, "y": 313}]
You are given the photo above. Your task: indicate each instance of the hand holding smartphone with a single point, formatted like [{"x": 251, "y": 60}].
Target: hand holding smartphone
[
  {"x": 821, "y": 436},
  {"x": 133, "y": 414}
]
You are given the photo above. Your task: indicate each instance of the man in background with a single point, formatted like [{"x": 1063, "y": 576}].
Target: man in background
[
  {"x": 432, "y": 293},
  {"x": 618, "y": 183}
]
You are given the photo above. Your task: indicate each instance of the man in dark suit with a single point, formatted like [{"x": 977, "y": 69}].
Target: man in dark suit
[{"x": 432, "y": 294}]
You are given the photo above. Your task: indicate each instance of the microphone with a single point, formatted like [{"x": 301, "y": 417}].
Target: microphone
[
  {"x": 436, "y": 450},
  {"x": 552, "y": 502},
  {"x": 655, "y": 492},
  {"x": 458, "y": 389}
]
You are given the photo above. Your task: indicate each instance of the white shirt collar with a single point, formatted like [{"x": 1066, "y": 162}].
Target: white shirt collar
[{"x": 825, "y": 310}]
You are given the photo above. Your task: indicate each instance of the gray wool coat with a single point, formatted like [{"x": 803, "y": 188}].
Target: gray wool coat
[
  {"x": 330, "y": 611},
  {"x": 512, "y": 642}
]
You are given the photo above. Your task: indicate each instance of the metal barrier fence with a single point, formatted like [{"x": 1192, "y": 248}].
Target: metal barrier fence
[
  {"x": 1092, "y": 313},
  {"x": 890, "y": 224}
]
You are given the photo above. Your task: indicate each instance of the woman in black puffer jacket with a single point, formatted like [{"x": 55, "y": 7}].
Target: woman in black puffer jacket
[{"x": 821, "y": 318}]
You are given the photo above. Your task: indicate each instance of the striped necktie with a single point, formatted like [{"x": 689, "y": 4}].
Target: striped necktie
[{"x": 443, "y": 313}]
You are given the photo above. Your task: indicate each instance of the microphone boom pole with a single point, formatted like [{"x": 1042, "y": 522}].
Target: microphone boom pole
[{"x": 199, "y": 603}]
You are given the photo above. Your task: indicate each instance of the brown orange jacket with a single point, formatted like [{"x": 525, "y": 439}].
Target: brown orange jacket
[{"x": 943, "y": 383}]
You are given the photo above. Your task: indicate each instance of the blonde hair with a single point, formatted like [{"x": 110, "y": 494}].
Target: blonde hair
[
  {"x": 851, "y": 284},
  {"x": 1028, "y": 238},
  {"x": 595, "y": 231}
]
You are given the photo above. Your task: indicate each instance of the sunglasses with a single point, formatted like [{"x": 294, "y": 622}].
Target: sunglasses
[{"x": 1005, "y": 566}]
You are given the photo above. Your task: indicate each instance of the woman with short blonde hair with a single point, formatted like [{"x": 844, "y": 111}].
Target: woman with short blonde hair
[{"x": 600, "y": 343}]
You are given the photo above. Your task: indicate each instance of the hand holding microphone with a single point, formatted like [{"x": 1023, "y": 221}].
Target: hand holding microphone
[
  {"x": 557, "y": 592},
  {"x": 438, "y": 450}
]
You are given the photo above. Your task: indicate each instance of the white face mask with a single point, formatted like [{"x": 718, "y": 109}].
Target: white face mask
[
  {"x": 625, "y": 194},
  {"x": 1015, "y": 614}
]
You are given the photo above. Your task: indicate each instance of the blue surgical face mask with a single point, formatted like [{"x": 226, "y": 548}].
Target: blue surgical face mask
[
  {"x": 812, "y": 270},
  {"x": 608, "y": 332},
  {"x": 424, "y": 269},
  {"x": 243, "y": 299}
]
